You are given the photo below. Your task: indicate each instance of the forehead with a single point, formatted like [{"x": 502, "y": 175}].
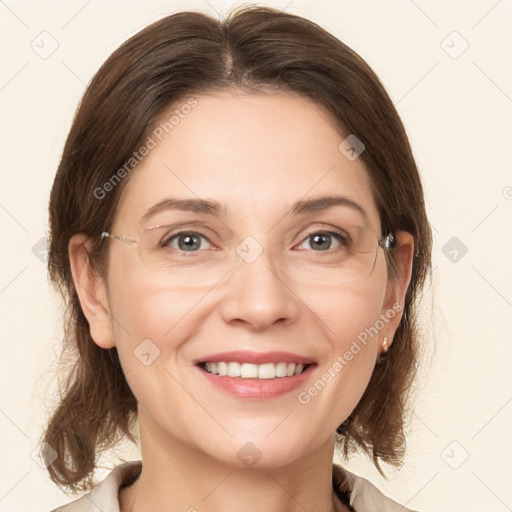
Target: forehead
[{"x": 257, "y": 154}]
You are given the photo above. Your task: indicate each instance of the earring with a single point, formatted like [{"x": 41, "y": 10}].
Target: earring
[{"x": 385, "y": 344}]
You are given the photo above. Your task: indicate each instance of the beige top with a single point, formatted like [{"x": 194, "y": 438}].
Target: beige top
[{"x": 363, "y": 495}]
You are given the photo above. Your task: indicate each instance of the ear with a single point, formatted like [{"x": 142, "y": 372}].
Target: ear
[
  {"x": 91, "y": 291},
  {"x": 393, "y": 307}
]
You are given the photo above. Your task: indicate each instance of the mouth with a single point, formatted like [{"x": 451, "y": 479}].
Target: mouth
[
  {"x": 253, "y": 371},
  {"x": 256, "y": 375}
]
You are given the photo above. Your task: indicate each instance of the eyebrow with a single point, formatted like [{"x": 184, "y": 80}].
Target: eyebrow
[
  {"x": 206, "y": 206},
  {"x": 216, "y": 209}
]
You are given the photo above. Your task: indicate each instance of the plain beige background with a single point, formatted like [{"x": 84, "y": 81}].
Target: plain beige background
[{"x": 447, "y": 67}]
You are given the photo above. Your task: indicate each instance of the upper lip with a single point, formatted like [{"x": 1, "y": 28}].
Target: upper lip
[{"x": 246, "y": 356}]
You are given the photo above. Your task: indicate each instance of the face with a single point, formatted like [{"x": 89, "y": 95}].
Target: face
[{"x": 255, "y": 285}]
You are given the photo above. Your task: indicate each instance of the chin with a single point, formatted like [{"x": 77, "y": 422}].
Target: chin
[{"x": 261, "y": 452}]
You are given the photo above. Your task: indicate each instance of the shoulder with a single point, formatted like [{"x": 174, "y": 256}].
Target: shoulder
[
  {"x": 104, "y": 495},
  {"x": 364, "y": 496}
]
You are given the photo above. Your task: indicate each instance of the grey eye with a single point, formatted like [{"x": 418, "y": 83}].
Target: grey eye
[
  {"x": 187, "y": 241},
  {"x": 323, "y": 241}
]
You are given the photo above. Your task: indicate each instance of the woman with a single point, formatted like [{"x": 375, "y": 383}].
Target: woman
[{"x": 239, "y": 232}]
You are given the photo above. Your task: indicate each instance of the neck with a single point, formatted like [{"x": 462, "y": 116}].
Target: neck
[{"x": 193, "y": 482}]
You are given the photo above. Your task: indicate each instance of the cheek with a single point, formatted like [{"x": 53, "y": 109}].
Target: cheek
[
  {"x": 149, "y": 317},
  {"x": 351, "y": 324},
  {"x": 151, "y": 330},
  {"x": 348, "y": 313},
  {"x": 152, "y": 312}
]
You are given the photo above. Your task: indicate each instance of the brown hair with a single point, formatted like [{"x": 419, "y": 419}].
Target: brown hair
[{"x": 190, "y": 53}]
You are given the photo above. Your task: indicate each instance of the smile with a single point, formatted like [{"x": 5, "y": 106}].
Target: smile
[{"x": 253, "y": 371}]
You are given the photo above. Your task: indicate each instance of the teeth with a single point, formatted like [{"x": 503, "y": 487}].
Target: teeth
[
  {"x": 267, "y": 371},
  {"x": 222, "y": 368},
  {"x": 254, "y": 371},
  {"x": 281, "y": 369},
  {"x": 248, "y": 371},
  {"x": 233, "y": 369}
]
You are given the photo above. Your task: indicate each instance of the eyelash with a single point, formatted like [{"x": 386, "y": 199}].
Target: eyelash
[{"x": 340, "y": 237}]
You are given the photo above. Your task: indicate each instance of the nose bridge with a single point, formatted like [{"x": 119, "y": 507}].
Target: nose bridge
[{"x": 257, "y": 265}]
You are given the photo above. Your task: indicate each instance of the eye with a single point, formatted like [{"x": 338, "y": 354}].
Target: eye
[
  {"x": 186, "y": 241},
  {"x": 322, "y": 240},
  {"x": 191, "y": 241}
]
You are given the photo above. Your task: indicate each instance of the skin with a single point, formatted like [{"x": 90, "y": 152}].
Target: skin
[{"x": 256, "y": 154}]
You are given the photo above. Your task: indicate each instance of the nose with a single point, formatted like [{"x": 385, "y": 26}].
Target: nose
[{"x": 258, "y": 295}]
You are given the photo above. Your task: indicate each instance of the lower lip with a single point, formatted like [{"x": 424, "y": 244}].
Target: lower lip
[{"x": 258, "y": 388}]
